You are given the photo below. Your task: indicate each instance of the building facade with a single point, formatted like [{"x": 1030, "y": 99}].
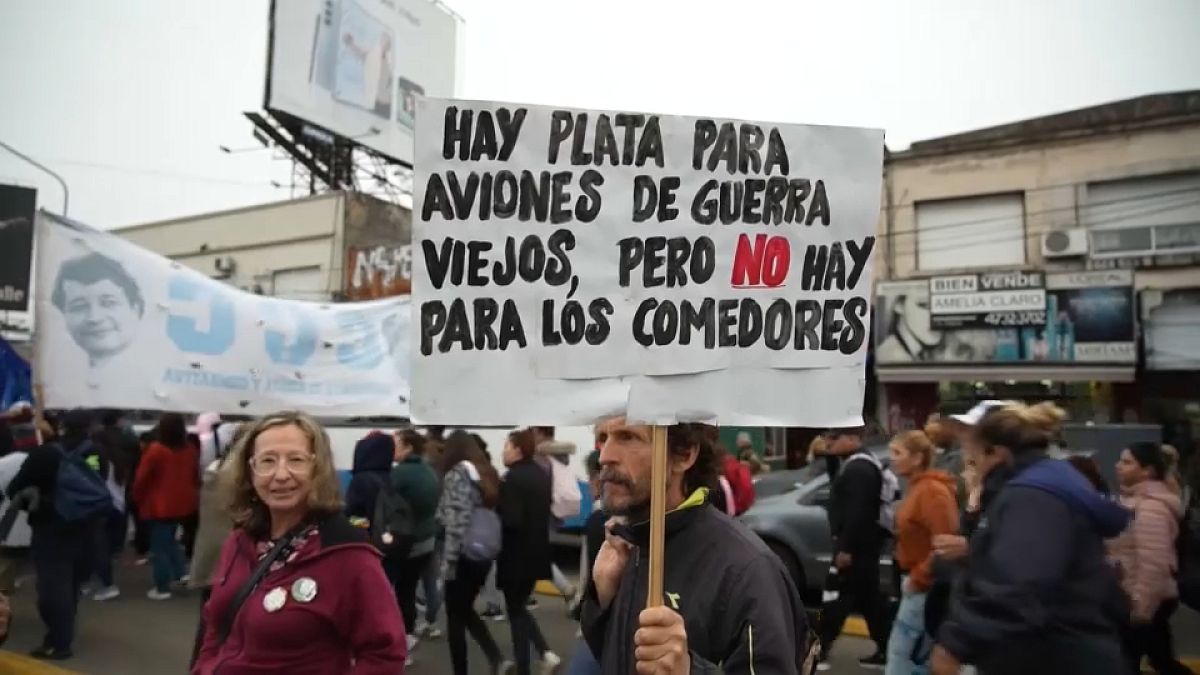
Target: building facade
[
  {"x": 328, "y": 247},
  {"x": 1053, "y": 258}
]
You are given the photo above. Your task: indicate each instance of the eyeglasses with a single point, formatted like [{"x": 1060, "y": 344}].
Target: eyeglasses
[{"x": 267, "y": 465}]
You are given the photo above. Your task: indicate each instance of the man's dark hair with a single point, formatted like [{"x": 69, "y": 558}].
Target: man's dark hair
[
  {"x": 172, "y": 431},
  {"x": 93, "y": 268},
  {"x": 683, "y": 437},
  {"x": 542, "y": 432},
  {"x": 1150, "y": 456}
]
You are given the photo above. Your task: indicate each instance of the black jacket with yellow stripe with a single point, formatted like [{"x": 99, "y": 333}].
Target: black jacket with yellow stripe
[{"x": 741, "y": 612}]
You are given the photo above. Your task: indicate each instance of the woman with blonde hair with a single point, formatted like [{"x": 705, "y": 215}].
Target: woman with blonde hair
[
  {"x": 1038, "y": 595},
  {"x": 929, "y": 509},
  {"x": 297, "y": 587}
]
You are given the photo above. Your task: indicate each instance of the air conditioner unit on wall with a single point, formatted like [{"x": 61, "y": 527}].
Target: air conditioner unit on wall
[{"x": 1065, "y": 243}]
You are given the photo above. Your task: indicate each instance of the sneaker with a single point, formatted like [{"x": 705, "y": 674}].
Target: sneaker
[
  {"x": 408, "y": 661},
  {"x": 155, "y": 594},
  {"x": 531, "y": 603},
  {"x": 505, "y": 667},
  {"x": 550, "y": 663},
  {"x": 105, "y": 594},
  {"x": 412, "y": 640},
  {"x": 427, "y": 631},
  {"x": 875, "y": 661},
  {"x": 492, "y": 612},
  {"x": 823, "y": 666},
  {"x": 51, "y": 654},
  {"x": 142, "y": 561}
]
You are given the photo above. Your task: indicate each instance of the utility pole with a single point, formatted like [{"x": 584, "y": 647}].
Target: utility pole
[{"x": 43, "y": 167}]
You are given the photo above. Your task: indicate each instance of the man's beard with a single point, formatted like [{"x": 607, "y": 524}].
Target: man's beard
[{"x": 638, "y": 504}]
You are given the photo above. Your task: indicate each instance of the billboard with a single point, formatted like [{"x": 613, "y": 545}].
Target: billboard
[
  {"x": 17, "y": 205},
  {"x": 1088, "y": 317},
  {"x": 356, "y": 67}
]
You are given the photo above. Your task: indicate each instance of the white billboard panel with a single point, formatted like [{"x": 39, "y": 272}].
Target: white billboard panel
[{"x": 356, "y": 67}]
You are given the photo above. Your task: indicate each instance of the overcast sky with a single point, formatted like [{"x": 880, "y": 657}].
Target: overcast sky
[{"x": 130, "y": 99}]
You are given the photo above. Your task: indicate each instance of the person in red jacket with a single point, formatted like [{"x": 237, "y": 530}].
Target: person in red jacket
[
  {"x": 322, "y": 604},
  {"x": 167, "y": 490}
]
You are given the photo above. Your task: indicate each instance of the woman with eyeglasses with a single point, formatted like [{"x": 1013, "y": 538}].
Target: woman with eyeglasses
[{"x": 298, "y": 588}]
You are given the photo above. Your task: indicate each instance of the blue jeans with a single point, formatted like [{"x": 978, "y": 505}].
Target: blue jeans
[
  {"x": 582, "y": 661},
  {"x": 110, "y": 539},
  {"x": 908, "y": 636},
  {"x": 166, "y": 554},
  {"x": 429, "y": 583}
]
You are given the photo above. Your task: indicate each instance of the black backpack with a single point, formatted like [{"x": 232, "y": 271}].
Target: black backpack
[{"x": 393, "y": 524}]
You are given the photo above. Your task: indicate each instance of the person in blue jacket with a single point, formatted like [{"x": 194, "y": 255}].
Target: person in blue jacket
[{"x": 1038, "y": 595}]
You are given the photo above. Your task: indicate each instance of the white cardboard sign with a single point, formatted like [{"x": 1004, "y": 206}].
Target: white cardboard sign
[{"x": 571, "y": 264}]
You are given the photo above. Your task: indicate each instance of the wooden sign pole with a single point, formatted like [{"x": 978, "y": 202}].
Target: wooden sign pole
[{"x": 658, "y": 515}]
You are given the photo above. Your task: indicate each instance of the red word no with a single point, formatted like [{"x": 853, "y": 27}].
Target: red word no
[{"x": 761, "y": 264}]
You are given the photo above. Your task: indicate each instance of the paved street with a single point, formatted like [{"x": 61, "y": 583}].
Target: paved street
[{"x": 136, "y": 636}]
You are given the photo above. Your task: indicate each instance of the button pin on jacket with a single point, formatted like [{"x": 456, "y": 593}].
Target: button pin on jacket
[
  {"x": 275, "y": 599},
  {"x": 304, "y": 590}
]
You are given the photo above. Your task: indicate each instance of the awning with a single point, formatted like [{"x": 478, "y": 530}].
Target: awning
[{"x": 1079, "y": 372}]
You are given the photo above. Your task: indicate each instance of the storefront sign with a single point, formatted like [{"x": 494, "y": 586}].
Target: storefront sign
[
  {"x": 1086, "y": 317},
  {"x": 993, "y": 299}
]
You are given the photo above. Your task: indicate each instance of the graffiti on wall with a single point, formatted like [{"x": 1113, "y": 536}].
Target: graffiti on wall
[{"x": 378, "y": 271}]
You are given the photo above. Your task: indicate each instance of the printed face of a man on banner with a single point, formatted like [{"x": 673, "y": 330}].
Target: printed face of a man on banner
[
  {"x": 626, "y": 460},
  {"x": 101, "y": 304}
]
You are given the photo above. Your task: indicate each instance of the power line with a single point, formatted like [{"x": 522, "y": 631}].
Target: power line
[
  {"x": 168, "y": 174},
  {"x": 1026, "y": 235},
  {"x": 959, "y": 242},
  {"x": 1027, "y": 214}
]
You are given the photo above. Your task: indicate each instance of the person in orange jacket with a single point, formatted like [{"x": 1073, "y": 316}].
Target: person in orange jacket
[{"x": 929, "y": 509}]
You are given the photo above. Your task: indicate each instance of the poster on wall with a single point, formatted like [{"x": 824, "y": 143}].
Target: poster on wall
[
  {"x": 357, "y": 67},
  {"x": 572, "y": 264},
  {"x": 121, "y": 327},
  {"x": 1089, "y": 317}
]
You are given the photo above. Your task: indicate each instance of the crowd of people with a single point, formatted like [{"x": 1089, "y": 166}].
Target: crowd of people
[{"x": 1024, "y": 563}]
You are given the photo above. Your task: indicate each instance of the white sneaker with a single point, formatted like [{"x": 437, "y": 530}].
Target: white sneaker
[
  {"x": 109, "y": 593},
  {"x": 412, "y": 642},
  {"x": 550, "y": 663},
  {"x": 823, "y": 666},
  {"x": 427, "y": 630},
  {"x": 155, "y": 594}
]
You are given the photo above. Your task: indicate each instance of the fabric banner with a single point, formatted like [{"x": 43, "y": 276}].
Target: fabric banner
[
  {"x": 121, "y": 327},
  {"x": 572, "y": 264}
]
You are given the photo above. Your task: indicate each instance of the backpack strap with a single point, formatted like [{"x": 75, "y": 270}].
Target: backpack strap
[{"x": 282, "y": 548}]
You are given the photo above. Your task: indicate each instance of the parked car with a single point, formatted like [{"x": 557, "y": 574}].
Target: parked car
[{"x": 795, "y": 526}]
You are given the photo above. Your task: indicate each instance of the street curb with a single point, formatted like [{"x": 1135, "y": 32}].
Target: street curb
[{"x": 17, "y": 664}]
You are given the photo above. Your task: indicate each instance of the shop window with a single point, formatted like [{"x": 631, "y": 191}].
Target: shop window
[{"x": 984, "y": 231}]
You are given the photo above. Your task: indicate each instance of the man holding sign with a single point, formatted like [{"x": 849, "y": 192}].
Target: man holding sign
[
  {"x": 728, "y": 599},
  {"x": 649, "y": 269}
]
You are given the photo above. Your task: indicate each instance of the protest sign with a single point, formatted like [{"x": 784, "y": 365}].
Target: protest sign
[
  {"x": 571, "y": 264},
  {"x": 118, "y": 326}
]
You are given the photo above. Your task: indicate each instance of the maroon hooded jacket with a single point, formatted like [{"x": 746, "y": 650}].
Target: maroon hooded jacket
[{"x": 352, "y": 625}]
